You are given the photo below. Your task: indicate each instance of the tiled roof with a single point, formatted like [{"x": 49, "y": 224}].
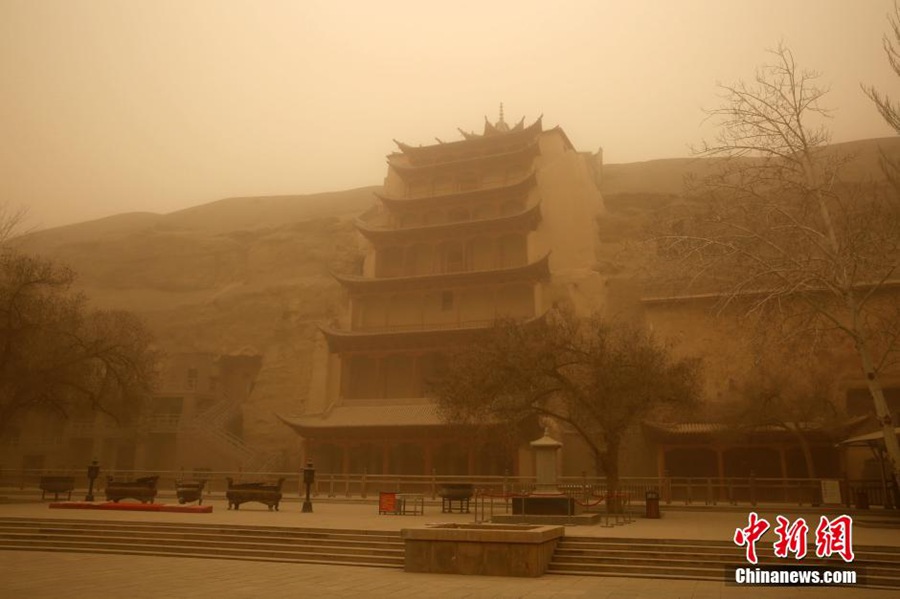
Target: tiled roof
[
  {"x": 870, "y": 438},
  {"x": 416, "y": 414}
]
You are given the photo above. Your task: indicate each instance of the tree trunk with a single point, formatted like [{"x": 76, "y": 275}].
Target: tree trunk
[
  {"x": 611, "y": 469},
  {"x": 807, "y": 452},
  {"x": 599, "y": 467},
  {"x": 860, "y": 338},
  {"x": 883, "y": 413}
]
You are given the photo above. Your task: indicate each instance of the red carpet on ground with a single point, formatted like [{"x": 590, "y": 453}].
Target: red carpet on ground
[{"x": 134, "y": 507}]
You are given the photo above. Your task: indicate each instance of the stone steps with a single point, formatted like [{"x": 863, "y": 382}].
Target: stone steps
[
  {"x": 583, "y": 556},
  {"x": 700, "y": 560},
  {"x": 305, "y": 545}
]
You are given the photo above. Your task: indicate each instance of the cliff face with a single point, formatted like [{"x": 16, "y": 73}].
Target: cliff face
[
  {"x": 242, "y": 276},
  {"x": 251, "y": 275}
]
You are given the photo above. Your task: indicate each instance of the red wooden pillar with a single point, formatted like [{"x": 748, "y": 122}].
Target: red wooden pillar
[
  {"x": 307, "y": 447},
  {"x": 385, "y": 457},
  {"x": 429, "y": 457},
  {"x": 345, "y": 457}
]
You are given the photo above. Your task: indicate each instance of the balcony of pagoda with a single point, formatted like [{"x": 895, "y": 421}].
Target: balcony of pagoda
[
  {"x": 458, "y": 222},
  {"x": 412, "y": 337},
  {"x": 539, "y": 270},
  {"x": 472, "y": 146}
]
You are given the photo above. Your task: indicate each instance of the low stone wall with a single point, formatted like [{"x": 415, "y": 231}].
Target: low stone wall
[{"x": 483, "y": 549}]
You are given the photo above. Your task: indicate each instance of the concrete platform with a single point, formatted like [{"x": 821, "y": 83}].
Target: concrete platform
[
  {"x": 40, "y": 575},
  {"x": 675, "y": 523}
]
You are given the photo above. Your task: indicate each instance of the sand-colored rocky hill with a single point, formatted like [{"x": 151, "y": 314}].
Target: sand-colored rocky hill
[{"x": 251, "y": 275}]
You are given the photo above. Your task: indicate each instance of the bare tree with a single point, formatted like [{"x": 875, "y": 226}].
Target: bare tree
[
  {"x": 787, "y": 390},
  {"x": 12, "y": 221},
  {"x": 889, "y": 109},
  {"x": 56, "y": 355},
  {"x": 596, "y": 377},
  {"x": 779, "y": 236}
]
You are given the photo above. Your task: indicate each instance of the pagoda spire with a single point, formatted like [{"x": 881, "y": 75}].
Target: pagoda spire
[{"x": 501, "y": 125}]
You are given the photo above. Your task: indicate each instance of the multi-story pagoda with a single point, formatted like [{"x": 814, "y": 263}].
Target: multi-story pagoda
[{"x": 496, "y": 224}]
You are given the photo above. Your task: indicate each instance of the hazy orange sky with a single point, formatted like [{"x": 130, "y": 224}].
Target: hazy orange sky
[{"x": 112, "y": 106}]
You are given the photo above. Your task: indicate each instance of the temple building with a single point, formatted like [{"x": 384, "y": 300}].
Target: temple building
[{"x": 500, "y": 223}]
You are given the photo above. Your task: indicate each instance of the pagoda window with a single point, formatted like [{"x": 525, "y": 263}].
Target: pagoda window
[
  {"x": 516, "y": 301},
  {"x": 410, "y": 219},
  {"x": 446, "y": 301},
  {"x": 372, "y": 312},
  {"x": 399, "y": 380},
  {"x": 476, "y": 305},
  {"x": 510, "y": 207},
  {"x": 417, "y": 188},
  {"x": 480, "y": 254},
  {"x": 467, "y": 182},
  {"x": 458, "y": 214},
  {"x": 390, "y": 262},
  {"x": 404, "y": 310},
  {"x": 452, "y": 258},
  {"x": 513, "y": 251},
  {"x": 483, "y": 212},
  {"x": 419, "y": 260},
  {"x": 360, "y": 378},
  {"x": 432, "y": 367},
  {"x": 442, "y": 185},
  {"x": 432, "y": 217}
]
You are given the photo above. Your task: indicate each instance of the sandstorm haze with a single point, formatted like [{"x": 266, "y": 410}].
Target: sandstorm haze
[{"x": 111, "y": 107}]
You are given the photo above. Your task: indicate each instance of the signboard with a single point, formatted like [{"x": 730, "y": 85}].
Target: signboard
[{"x": 831, "y": 492}]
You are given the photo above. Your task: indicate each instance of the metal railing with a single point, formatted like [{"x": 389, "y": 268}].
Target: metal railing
[{"x": 673, "y": 491}]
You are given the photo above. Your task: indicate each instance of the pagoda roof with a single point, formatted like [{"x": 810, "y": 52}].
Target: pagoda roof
[
  {"x": 521, "y": 185},
  {"x": 527, "y": 150},
  {"x": 687, "y": 431},
  {"x": 526, "y": 219},
  {"x": 368, "y": 416},
  {"x": 472, "y": 142},
  {"x": 537, "y": 270}
]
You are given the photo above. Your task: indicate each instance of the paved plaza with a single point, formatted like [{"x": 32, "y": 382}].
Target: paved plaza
[{"x": 36, "y": 575}]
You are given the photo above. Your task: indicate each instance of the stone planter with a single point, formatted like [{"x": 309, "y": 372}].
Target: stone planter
[{"x": 483, "y": 549}]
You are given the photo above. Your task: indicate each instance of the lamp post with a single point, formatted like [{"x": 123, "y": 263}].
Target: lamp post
[
  {"x": 309, "y": 477},
  {"x": 92, "y": 472}
]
